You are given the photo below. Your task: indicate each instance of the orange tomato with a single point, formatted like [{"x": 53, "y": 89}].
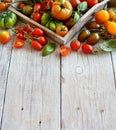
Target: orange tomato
[
  {"x": 5, "y": 36},
  {"x": 61, "y": 30},
  {"x": 110, "y": 27},
  {"x": 61, "y": 10},
  {"x": 3, "y": 6},
  {"x": 111, "y": 13},
  {"x": 64, "y": 50},
  {"x": 102, "y": 16},
  {"x": 114, "y": 19}
]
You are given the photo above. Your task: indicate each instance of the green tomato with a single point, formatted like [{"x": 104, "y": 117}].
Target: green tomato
[
  {"x": 52, "y": 26},
  {"x": 27, "y": 10},
  {"x": 7, "y": 19}
]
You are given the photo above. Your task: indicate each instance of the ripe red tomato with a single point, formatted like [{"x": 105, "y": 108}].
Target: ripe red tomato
[
  {"x": 91, "y": 3},
  {"x": 64, "y": 50},
  {"x": 87, "y": 48},
  {"x": 20, "y": 30},
  {"x": 27, "y": 28},
  {"x": 21, "y": 5},
  {"x": 36, "y": 45},
  {"x": 5, "y": 36},
  {"x": 21, "y": 36},
  {"x": 18, "y": 43},
  {"x": 37, "y": 32},
  {"x": 37, "y": 7},
  {"x": 42, "y": 40},
  {"x": 74, "y": 3},
  {"x": 36, "y": 16},
  {"x": 75, "y": 45}
]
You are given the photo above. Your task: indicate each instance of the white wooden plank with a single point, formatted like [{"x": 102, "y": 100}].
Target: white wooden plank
[
  {"x": 114, "y": 65},
  {"x": 33, "y": 91},
  {"x": 88, "y": 92},
  {"x": 5, "y": 55}
]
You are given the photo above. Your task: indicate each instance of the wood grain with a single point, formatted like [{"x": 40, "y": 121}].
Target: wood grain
[
  {"x": 88, "y": 92},
  {"x": 5, "y": 56},
  {"x": 33, "y": 91}
]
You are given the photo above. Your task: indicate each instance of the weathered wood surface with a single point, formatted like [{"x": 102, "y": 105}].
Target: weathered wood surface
[{"x": 76, "y": 92}]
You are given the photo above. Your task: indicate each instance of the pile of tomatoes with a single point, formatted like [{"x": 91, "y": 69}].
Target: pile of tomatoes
[
  {"x": 59, "y": 15},
  {"x": 35, "y": 36}
]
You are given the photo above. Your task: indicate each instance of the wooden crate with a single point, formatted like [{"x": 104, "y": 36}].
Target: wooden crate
[{"x": 59, "y": 39}]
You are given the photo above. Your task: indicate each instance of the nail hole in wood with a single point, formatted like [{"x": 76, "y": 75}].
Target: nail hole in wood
[
  {"x": 22, "y": 108},
  {"x": 39, "y": 122}
]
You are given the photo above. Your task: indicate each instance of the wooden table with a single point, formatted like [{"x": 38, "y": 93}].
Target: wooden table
[{"x": 76, "y": 92}]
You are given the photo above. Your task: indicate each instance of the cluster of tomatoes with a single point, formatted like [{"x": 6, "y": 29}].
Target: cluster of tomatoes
[
  {"x": 75, "y": 45},
  {"x": 35, "y": 37},
  {"x": 103, "y": 26},
  {"x": 59, "y": 15}
]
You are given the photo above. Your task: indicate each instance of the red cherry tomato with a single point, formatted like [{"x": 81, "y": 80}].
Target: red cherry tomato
[
  {"x": 42, "y": 40},
  {"x": 18, "y": 43},
  {"x": 36, "y": 16},
  {"x": 64, "y": 50},
  {"x": 87, "y": 48},
  {"x": 28, "y": 28},
  {"x": 21, "y": 5},
  {"x": 91, "y": 3},
  {"x": 74, "y": 3},
  {"x": 36, "y": 45},
  {"x": 21, "y": 36},
  {"x": 37, "y": 32},
  {"x": 37, "y": 7},
  {"x": 75, "y": 45},
  {"x": 20, "y": 30}
]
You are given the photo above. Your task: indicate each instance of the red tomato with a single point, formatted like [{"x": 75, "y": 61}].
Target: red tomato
[
  {"x": 37, "y": 32},
  {"x": 47, "y": 4},
  {"x": 74, "y": 3},
  {"x": 18, "y": 43},
  {"x": 28, "y": 28},
  {"x": 21, "y": 5},
  {"x": 37, "y": 7},
  {"x": 5, "y": 36},
  {"x": 42, "y": 40},
  {"x": 36, "y": 45},
  {"x": 20, "y": 30},
  {"x": 36, "y": 16},
  {"x": 75, "y": 45},
  {"x": 91, "y": 3},
  {"x": 64, "y": 50},
  {"x": 87, "y": 48},
  {"x": 21, "y": 36}
]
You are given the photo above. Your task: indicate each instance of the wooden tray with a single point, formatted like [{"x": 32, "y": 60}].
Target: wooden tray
[{"x": 63, "y": 40}]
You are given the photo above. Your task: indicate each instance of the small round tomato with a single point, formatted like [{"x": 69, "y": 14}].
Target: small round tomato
[
  {"x": 75, "y": 45},
  {"x": 64, "y": 50},
  {"x": 27, "y": 28},
  {"x": 37, "y": 7},
  {"x": 36, "y": 16},
  {"x": 21, "y": 5},
  {"x": 21, "y": 36},
  {"x": 61, "y": 30},
  {"x": 18, "y": 43},
  {"x": 20, "y": 30},
  {"x": 3, "y": 6},
  {"x": 87, "y": 48},
  {"x": 37, "y": 32},
  {"x": 42, "y": 40},
  {"x": 36, "y": 45},
  {"x": 91, "y": 3},
  {"x": 74, "y": 3},
  {"x": 5, "y": 36}
]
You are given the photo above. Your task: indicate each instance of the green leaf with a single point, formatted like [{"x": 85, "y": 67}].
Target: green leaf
[
  {"x": 76, "y": 18},
  {"x": 83, "y": 6},
  {"x": 48, "y": 49},
  {"x": 109, "y": 46}
]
